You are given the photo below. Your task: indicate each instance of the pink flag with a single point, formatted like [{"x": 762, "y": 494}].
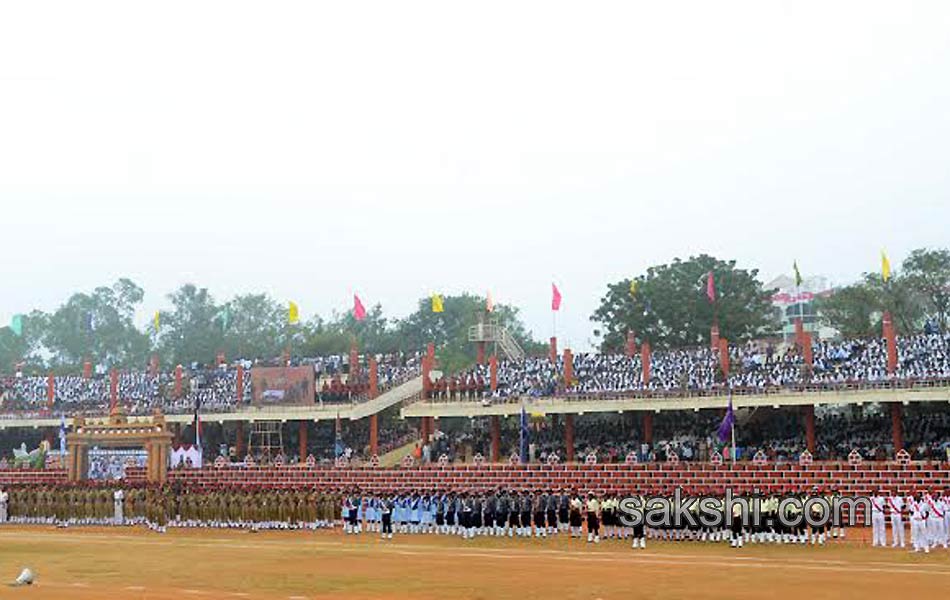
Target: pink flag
[
  {"x": 555, "y": 298},
  {"x": 711, "y": 287},
  {"x": 359, "y": 312}
]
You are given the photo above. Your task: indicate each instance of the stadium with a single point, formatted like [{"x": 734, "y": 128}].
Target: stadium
[{"x": 428, "y": 300}]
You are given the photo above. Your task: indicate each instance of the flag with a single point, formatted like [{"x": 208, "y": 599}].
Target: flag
[
  {"x": 338, "y": 438},
  {"x": 798, "y": 276},
  {"x": 725, "y": 428},
  {"x": 62, "y": 434},
  {"x": 524, "y": 435},
  {"x": 711, "y": 287},
  {"x": 157, "y": 321},
  {"x": 633, "y": 287},
  {"x": 16, "y": 325},
  {"x": 555, "y": 297},
  {"x": 437, "y": 303},
  {"x": 87, "y": 321},
  {"x": 885, "y": 267},
  {"x": 359, "y": 312},
  {"x": 293, "y": 313},
  {"x": 489, "y": 303},
  {"x": 222, "y": 317}
]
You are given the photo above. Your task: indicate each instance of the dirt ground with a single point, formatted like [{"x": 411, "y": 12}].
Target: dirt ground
[{"x": 137, "y": 564}]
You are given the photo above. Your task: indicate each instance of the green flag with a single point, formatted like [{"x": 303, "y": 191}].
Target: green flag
[
  {"x": 16, "y": 324},
  {"x": 798, "y": 276},
  {"x": 223, "y": 317}
]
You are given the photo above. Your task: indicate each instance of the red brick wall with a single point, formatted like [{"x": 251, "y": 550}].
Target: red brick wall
[
  {"x": 863, "y": 479},
  {"x": 32, "y": 476}
]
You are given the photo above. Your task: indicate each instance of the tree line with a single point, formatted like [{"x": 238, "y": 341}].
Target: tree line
[{"x": 668, "y": 305}]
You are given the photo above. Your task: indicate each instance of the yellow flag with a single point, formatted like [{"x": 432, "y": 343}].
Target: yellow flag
[
  {"x": 437, "y": 303},
  {"x": 885, "y": 267},
  {"x": 157, "y": 320},
  {"x": 633, "y": 287},
  {"x": 293, "y": 313}
]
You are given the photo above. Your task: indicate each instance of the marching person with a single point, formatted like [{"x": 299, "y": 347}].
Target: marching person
[
  {"x": 593, "y": 518},
  {"x": 878, "y": 527},
  {"x": 386, "y": 512},
  {"x": 896, "y": 505},
  {"x": 118, "y": 498}
]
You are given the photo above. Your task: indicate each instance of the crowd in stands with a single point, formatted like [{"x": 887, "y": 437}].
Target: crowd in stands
[
  {"x": 754, "y": 367},
  {"x": 690, "y": 435},
  {"x": 213, "y": 388}
]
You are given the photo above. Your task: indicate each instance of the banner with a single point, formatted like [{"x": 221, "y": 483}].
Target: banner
[{"x": 272, "y": 386}]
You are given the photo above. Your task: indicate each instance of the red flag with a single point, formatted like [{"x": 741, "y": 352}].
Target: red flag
[
  {"x": 711, "y": 287},
  {"x": 359, "y": 312},
  {"x": 555, "y": 298}
]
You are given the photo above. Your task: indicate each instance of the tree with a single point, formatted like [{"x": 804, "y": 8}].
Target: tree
[
  {"x": 669, "y": 306},
  {"x": 27, "y": 348},
  {"x": 257, "y": 327},
  {"x": 98, "y": 326},
  {"x": 194, "y": 330},
  {"x": 858, "y": 310},
  {"x": 928, "y": 273},
  {"x": 448, "y": 330}
]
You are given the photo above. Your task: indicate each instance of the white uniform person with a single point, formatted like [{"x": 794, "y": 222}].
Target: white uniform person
[
  {"x": 4, "y": 499},
  {"x": 878, "y": 526},
  {"x": 896, "y": 505},
  {"x": 918, "y": 525},
  {"x": 117, "y": 499}
]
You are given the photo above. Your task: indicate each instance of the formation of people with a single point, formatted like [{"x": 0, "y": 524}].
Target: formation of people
[
  {"x": 467, "y": 514},
  {"x": 928, "y": 514}
]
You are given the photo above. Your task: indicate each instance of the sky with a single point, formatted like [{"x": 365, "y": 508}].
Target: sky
[{"x": 313, "y": 150}]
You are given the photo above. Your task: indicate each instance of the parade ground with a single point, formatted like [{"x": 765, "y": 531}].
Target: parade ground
[{"x": 137, "y": 564}]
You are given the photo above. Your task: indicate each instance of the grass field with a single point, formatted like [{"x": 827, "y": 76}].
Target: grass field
[{"x": 137, "y": 564}]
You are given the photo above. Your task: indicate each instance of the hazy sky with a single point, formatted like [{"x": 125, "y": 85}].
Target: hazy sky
[{"x": 313, "y": 149}]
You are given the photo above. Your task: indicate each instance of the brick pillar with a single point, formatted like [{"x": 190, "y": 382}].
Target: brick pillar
[
  {"x": 897, "y": 426},
  {"x": 153, "y": 366},
  {"x": 354, "y": 360},
  {"x": 430, "y": 354},
  {"x": 809, "y": 413},
  {"x": 568, "y": 368},
  {"x": 374, "y": 435},
  {"x": 50, "y": 390},
  {"x": 113, "y": 389},
  {"x": 302, "y": 439},
  {"x": 799, "y": 332},
  {"x": 480, "y": 352},
  {"x": 239, "y": 385},
  {"x": 891, "y": 343},
  {"x": 807, "y": 352},
  {"x": 495, "y": 438},
  {"x": 239, "y": 444},
  {"x": 178, "y": 381},
  {"x": 645, "y": 358},
  {"x": 426, "y": 380},
  {"x": 177, "y": 432},
  {"x": 631, "y": 347},
  {"x": 86, "y": 369},
  {"x": 648, "y": 428},
  {"x": 424, "y": 429},
  {"x": 373, "y": 377},
  {"x": 714, "y": 337},
  {"x": 493, "y": 373},
  {"x": 724, "y": 356},
  {"x": 552, "y": 350},
  {"x": 569, "y": 436}
]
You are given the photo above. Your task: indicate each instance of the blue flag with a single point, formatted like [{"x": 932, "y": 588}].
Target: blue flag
[
  {"x": 725, "y": 428},
  {"x": 524, "y": 435}
]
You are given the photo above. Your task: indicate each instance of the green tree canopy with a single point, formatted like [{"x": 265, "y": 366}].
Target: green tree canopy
[{"x": 670, "y": 308}]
